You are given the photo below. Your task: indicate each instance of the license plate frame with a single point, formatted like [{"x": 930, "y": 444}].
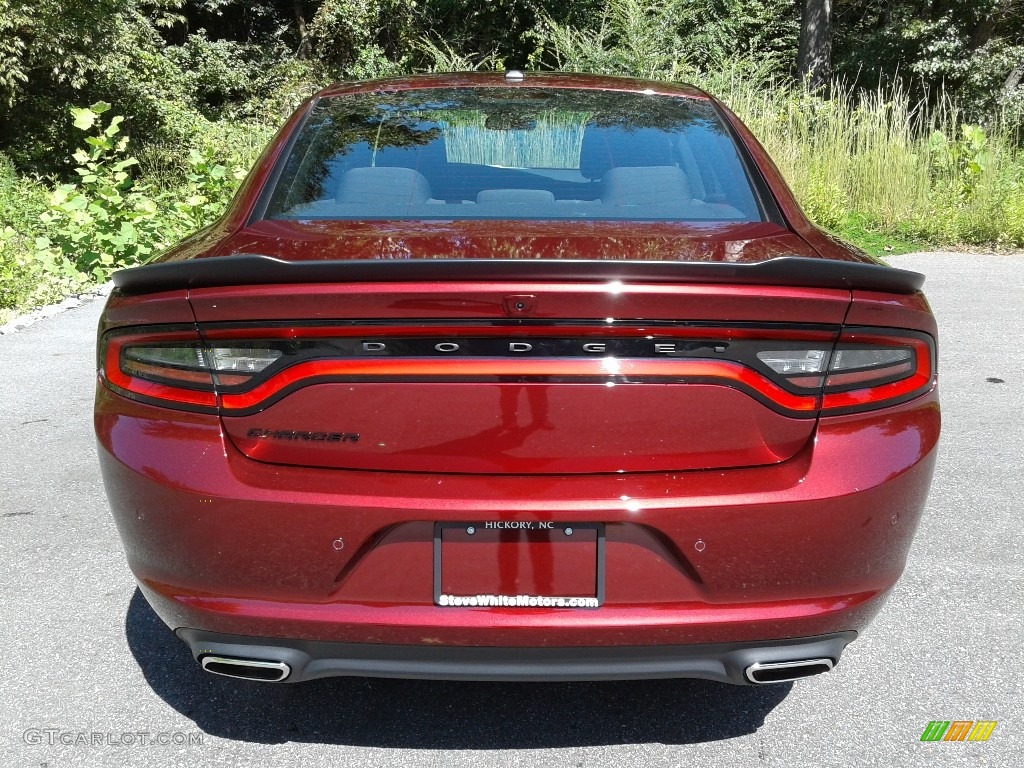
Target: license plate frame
[{"x": 535, "y": 529}]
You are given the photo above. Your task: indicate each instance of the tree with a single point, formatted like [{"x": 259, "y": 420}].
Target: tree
[
  {"x": 59, "y": 52},
  {"x": 814, "y": 61}
]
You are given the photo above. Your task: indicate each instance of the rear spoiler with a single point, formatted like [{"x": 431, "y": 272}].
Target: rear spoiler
[{"x": 796, "y": 271}]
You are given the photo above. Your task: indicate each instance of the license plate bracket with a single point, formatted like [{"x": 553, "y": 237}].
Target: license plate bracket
[{"x": 519, "y": 564}]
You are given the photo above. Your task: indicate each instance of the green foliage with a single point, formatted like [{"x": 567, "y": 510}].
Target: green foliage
[
  {"x": 499, "y": 34},
  {"x": 208, "y": 190},
  {"x": 82, "y": 51},
  {"x": 225, "y": 80},
  {"x": 967, "y": 49},
  {"x": 673, "y": 39},
  {"x": 12, "y": 52},
  {"x": 442, "y": 57},
  {"x": 865, "y": 234},
  {"x": 364, "y": 38},
  {"x": 634, "y": 38},
  {"x": 59, "y": 37},
  {"x": 870, "y": 163},
  {"x": 27, "y": 279},
  {"x": 960, "y": 163},
  {"x": 216, "y": 73},
  {"x": 824, "y": 202},
  {"x": 106, "y": 220}
]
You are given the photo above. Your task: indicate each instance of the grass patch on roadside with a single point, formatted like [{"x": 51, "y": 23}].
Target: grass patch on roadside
[{"x": 857, "y": 230}]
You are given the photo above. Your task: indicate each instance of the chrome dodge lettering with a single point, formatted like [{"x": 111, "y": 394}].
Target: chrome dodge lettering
[{"x": 545, "y": 346}]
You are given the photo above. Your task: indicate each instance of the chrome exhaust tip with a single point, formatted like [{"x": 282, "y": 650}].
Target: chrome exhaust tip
[
  {"x": 786, "y": 671},
  {"x": 246, "y": 669}
]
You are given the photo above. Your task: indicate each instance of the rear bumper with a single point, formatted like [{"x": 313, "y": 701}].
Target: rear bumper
[
  {"x": 309, "y": 660},
  {"x": 801, "y": 549}
]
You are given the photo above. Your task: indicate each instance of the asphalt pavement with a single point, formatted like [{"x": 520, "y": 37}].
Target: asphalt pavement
[{"x": 92, "y": 678}]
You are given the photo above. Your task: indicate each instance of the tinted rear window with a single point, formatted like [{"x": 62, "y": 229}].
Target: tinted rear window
[{"x": 514, "y": 153}]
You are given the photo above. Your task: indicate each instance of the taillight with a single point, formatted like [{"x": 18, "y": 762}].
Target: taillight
[
  {"x": 868, "y": 368},
  {"x": 176, "y": 368},
  {"x": 873, "y": 368},
  {"x": 800, "y": 371}
]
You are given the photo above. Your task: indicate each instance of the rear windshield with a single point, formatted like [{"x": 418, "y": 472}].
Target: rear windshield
[{"x": 514, "y": 153}]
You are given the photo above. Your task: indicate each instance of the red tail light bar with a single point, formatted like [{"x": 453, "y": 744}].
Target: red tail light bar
[
  {"x": 174, "y": 386},
  {"x": 889, "y": 380},
  {"x": 802, "y": 371}
]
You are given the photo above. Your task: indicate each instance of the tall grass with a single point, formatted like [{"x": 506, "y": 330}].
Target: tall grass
[{"x": 879, "y": 159}]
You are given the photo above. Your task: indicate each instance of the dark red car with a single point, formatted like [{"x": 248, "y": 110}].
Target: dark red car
[{"x": 516, "y": 377}]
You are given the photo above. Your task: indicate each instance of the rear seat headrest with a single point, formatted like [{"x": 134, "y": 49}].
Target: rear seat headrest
[
  {"x": 646, "y": 185},
  {"x": 380, "y": 185}
]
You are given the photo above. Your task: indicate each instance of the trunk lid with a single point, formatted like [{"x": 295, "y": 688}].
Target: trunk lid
[{"x": 523, "y": 376}]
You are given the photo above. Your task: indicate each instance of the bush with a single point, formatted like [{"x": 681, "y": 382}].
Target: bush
[
  {"x": 363, "y": 38},
  {"x": 674, "y": 39},
  {"x": 27, "y": 279},
  {"x": 107, "y": 220},
  {"x": 217, "y": 73}
]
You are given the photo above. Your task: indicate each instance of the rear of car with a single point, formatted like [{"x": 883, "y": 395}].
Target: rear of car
[{"x": 535, "y": 380}]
